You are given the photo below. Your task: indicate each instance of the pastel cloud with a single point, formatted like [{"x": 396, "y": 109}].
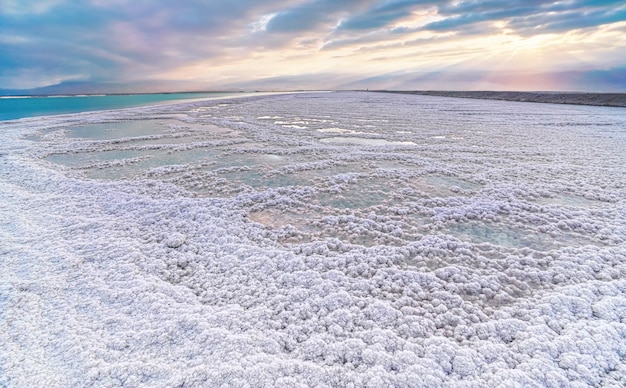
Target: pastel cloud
[
  {"x": 216, "y": 44},
  {"x": 310, "y": 15},
  {"x": 382, "y": 14}
]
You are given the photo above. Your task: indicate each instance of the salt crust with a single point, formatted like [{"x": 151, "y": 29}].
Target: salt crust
[{"x": 491, "y": 252}]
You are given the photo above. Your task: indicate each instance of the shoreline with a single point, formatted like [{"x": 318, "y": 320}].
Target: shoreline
[
  {"x": 592, "y": 99},
  {"x": 19, "y": 108}
]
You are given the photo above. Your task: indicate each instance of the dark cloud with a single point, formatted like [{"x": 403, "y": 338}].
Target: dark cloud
[
  {"x": 529, "y": 17},
  {"x": 367, "y": 22},
  {"x": 383, "y": 14},
  {"x": 380, "y": 23},
  {"x": 488, "y": 6},
  {"x": 311, "y": 14}
]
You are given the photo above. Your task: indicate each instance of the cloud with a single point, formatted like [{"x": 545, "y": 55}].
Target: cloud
[
  {"x": 552, "y": 23},
  {"x": 529, "y": 17},
  {"x": 49, "y": 41},
  {"x": 371, "y": 37},
  {"x": 309, "y": 15},
  {"x": 383, "y": 14},
  {"x": 116, "y": 39},
  {"x": 478, "y": 17}
]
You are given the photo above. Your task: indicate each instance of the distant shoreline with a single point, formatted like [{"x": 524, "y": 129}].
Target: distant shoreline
[{"x": 594, "y": 99}]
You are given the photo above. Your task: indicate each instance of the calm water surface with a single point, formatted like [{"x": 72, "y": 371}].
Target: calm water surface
[{"x": 29, "y": 106}]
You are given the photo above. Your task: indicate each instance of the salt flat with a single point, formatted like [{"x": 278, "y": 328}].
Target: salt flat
[
  {"x": 315, "y": 239},
  {"x": 576, "y": 98}
]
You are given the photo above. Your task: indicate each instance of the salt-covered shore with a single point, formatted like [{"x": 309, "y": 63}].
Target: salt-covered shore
[
  {"x": 315, "y": 239},
  {"x": 593, "y": 99}
]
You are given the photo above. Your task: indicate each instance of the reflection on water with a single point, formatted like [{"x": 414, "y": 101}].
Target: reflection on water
[
  {"x": 568, "y": 200},
  {"x": 447, "y": 181},
  {"x": 363, "y": 141},
  {"x": 258, "y": 179},
  {"x": 252, "y": 159},
  {"x": 514, "y": 237},
  {"x": 359, "y": 193},
  {"x": 86, "y": 158},
  {"x": 442, "y": 186},
  {"x": 151, "y": 160},
  {"x": 118, "y": 130}
]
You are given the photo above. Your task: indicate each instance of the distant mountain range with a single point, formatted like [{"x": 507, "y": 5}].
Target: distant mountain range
[
  {"x": 606, "y": 81},
  {"x": 62, "y": 88}
]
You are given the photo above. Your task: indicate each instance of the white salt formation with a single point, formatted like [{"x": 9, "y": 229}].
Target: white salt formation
[{"x": 323, "y": 239}]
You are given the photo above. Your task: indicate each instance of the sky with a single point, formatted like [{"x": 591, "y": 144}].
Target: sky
[{"x": 152, "y": 45}]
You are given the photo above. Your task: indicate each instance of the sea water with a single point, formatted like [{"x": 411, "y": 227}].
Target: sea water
[
  {"x": 319, "y": 238},
  {"x": 15, "y": 107}
]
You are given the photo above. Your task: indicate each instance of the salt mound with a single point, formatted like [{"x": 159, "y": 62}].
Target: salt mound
[{"x": 175, "y": 240}]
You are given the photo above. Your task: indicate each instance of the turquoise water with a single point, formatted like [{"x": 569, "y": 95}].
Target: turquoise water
[{"x": 18, "y": 107}]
